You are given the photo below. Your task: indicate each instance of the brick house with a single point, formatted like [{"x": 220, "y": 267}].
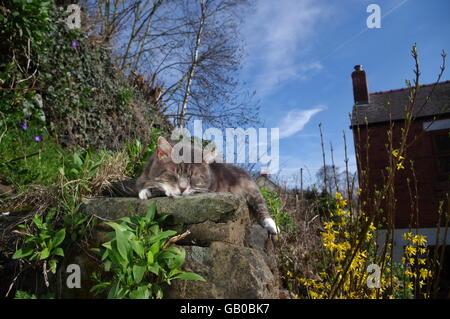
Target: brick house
[{"x": 371, "y": 116}]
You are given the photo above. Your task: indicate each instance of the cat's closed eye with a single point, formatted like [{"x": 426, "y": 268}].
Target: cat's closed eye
[{"x": 167, "y": 176}]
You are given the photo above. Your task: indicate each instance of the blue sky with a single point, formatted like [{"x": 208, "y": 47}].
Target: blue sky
[{"x": 300, "y": 55}]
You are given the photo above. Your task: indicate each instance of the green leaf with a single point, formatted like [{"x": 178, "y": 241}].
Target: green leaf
[
  {"x": 77, "y": 160},
  {"x": 189, "y": 276},
  {"x": 137, "y": 247},
  {"x": 116, "y": 226},
  {"x": 22, "y": 252},
  {"x": 123, "y": 244},
  {"x": 108, "y": 264},
  {"x": 52, "y": 263},
  {"x": 59, "y": 237},
  {"x": 44, "y": 254},
  {"x": 154, "y": 268},
  {"x": 151, "y": 212},
  {"x": 59, "y": 252},
  {"x": 138, "y": 272},
  {"x": 38, "y": 222},
  {"x": 155, "y": 248},
  {"x": 178, "y": 260},
  {"x": 140, "y": 293},
  {"x": 150, "y": 259},
  {"x": 161, "y": 235},
  {"x": 98, "y": 251},
  {"x": 114, "y": 291}
]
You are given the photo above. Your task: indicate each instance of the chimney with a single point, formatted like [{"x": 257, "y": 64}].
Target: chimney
[{"x": 360, "y": 89}]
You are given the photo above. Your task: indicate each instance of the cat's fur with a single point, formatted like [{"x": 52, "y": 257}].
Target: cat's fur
[{"x": 162, "y": 175}]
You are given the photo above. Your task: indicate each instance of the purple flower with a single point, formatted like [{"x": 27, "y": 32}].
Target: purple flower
[
  {"x": 25, "y": 126},
  {"x": 74, "y": 44},
  {"x": 38, "y": 139}
]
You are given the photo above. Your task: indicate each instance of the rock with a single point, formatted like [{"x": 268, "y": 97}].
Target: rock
[
  {"x": 216, "y": 207},
  {"x": 231, "y": 271}
]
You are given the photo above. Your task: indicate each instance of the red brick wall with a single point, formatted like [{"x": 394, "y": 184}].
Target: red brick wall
[{"x": 429, "y": 188}]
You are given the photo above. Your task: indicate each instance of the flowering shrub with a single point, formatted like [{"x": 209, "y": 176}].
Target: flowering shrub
[{"x": 351, "y": 252}]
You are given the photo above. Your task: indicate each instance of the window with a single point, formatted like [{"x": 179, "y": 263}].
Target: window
[{"x": 441, "y": 143}]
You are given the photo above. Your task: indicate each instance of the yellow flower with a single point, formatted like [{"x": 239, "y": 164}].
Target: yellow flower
[
  {"x": 400, "y": 166},
  {"x": 328, "y": 225},
  {"x": 420, "y": 240},
  {"x": 424, "y": 273},
  {"x": 407, "y": 236},
  {"x": 410, "y": 250},
  {"x": 339, "y": 196},
  {"x": 395, "y": 152}
]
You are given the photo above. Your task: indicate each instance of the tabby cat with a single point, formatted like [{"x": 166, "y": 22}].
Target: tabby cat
[{"x": 162, "y": 174}]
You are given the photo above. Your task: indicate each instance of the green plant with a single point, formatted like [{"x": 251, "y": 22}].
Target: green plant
[
  {"x": 274, "y": 205},
  {"x": 44, "y": 243},
  {"x": 20, "y": 294},
  {"x": 138, "y": 154},
  {"x": 140, "y": 258}
]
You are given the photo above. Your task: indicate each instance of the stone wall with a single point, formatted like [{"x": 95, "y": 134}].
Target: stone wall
[{"x": 226, "y": 246}]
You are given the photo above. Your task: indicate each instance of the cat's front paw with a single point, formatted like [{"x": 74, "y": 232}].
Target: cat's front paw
[
  {"x": 271, "y": 226},
  {"x": 145, "y": 194}
]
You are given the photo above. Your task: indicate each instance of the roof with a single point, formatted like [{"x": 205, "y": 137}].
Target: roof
[{"x": 390, "y": 105}]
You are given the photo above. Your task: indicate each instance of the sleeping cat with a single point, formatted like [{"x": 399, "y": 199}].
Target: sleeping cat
[{"x": 162, "y": 174}]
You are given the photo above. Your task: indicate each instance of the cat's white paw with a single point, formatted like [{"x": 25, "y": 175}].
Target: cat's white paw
[
  {"x": 145, "y": 194},
  {"x": 271, "y": 226}
]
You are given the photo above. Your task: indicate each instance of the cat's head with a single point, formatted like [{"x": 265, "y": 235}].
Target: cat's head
[{"x": 178, "y": 177}]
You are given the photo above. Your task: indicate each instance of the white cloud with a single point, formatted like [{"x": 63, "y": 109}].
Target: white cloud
[
  {"x": 295, "y": 120},
  {"x": 278, "y": 34}
]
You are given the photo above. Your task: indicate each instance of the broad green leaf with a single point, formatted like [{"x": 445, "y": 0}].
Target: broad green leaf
[
  {"x": 44, "y": 254},
  {"x": 59, "y": 252},
  {"x": 178, "y": 260},
  {"x": 189, "y": 276},
  {"x": 161, "y": 235},
  {"x": 155, "y": 248},
  {"x": 138, "y": 272},
  {"x": 122, "y": 244},
  {"x": 59, "y": 237},
  {"x": 174, "y": 272},
  {"x": 154, "y": 229},
  {"x": 77, "y": 160},
  {"x": 38, "y": 222},
  {"x": 137, "y": 247},
  {"x": 22, "y": 252},
  {"x": 154, "y": 268},
  {"x": 116, "y": 226},
  {"x": 151, "y": 212}
]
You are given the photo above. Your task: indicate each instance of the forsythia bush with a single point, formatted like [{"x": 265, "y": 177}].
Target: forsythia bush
[{"x": 356, "y": 267}]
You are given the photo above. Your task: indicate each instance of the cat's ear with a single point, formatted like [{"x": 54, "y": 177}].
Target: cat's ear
[
  {"x": 164, "y": 149},
  {"x": 210, "y": 154}
]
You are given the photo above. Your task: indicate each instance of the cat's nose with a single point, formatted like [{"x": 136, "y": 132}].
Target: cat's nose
[{"x": 182, "y": 189}]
